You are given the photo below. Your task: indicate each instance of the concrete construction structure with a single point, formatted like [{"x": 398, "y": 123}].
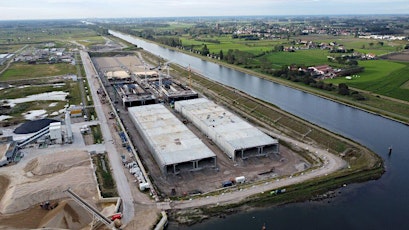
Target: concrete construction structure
[
  {"x": 144, "y": 76},
  {"x": 236, "y": 137},
  {"x": 133, "y": 94},
  {"x": 120, "y": 75},
  {"x": 173, "y": 91},
  {"x": 174, "y": 147}
]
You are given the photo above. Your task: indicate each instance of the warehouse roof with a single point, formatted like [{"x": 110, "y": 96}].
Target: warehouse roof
[
  {"x": 171, "y": 140},
  {"x": 237, "y": 132}
]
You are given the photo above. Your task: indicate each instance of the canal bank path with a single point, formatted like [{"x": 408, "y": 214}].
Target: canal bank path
[{"x": 331, "y": 163}]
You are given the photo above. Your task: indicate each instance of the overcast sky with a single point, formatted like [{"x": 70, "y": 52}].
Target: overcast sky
[{"x": 62, "y": 9}]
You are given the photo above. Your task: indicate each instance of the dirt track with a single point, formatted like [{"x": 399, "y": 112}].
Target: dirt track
[{"x": 331, "y": 164}]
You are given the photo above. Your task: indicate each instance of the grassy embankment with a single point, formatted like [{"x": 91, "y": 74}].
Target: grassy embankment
[
  {"x": 105, "y": 180},
  {"x": 96, "y": 134}
]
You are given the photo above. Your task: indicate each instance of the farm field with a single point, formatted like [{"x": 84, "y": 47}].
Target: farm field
[
  {"x": 300, "y": 57},
  {"x": 226, "y": 43},
  {"x": 381, "y": 77},
  {"x": 307, "y": 57},
  {"x": 9, "y": 48},
  {"x": 19, "y": 71},
  {"x": 358, "y": 44},
  {"x": 34, "y": 35}
]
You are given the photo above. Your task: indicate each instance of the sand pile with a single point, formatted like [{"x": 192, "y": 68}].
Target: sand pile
[
  {"x": 57, "y": 162},
  {"x": 67, "y": 215},
  {"x": 47, "y": 177},
  {"x": 4, "y": 183}
]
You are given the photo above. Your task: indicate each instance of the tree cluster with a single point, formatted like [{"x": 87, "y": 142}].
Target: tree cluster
[
  {"x": 293, "y": 74},
  {"x": 169, "y": 41}
]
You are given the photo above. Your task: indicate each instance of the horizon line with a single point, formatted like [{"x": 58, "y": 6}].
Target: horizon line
[{"x": 208, "y": 16}]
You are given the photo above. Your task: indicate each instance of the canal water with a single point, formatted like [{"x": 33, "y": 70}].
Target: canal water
[{"x": 381, "y": 204}]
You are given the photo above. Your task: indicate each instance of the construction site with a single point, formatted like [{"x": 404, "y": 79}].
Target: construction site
[
  {"x": 159, "y": 139},
  {"x": 188, "y": 144}
]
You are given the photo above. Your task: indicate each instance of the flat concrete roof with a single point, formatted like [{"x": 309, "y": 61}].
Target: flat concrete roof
[
  {"x": 218, "y": 123},
  {"x": 172, "y": 142}
]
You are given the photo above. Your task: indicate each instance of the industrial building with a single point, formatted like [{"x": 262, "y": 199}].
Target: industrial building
[
  {"x": 236, "y": 137},
  {"x": 55, "y": 132},
  {"x": 174, "y": 147},
  {"x": 8, "y": 151}
]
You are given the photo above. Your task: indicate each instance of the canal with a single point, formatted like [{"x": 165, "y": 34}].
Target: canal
[{"x": 381, "y": 204}]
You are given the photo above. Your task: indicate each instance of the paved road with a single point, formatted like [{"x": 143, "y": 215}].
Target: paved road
[
  {"x": 122, "y": 184},
  {"x": 331, "y": 164}
]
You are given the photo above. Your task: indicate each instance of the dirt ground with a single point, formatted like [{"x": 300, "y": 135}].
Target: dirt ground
[
  {"x": 4, "y": 183},
  {"x": 402, "y": 56},
  {"x": 88, "y": 139},
  {"x": 67, "y": 215},
  {"x": 43, "y": 176},
  {"x": 131, "y": 63}
]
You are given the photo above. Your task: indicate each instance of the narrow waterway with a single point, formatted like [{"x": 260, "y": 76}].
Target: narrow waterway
[{"x": 381, "y": 204}]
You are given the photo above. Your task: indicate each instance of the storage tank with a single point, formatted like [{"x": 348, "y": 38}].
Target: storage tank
[{"x": 240, "y": 179}]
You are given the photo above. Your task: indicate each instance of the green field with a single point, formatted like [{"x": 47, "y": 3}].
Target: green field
[
  {"x": 381, "y": 77},
  {"x": 227, "y": 43},
  {"x": 9, "y": 48},
  {"x": 19, "y": 71},
  {"x": 299, "y": 57},
  {"x": 90, "y": 40},
  {"x": 364, "y": 46}
]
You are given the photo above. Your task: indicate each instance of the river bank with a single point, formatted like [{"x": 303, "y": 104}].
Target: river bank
[
  {"x": 376, "y": 110},
  {"x": 358, "y": 171},
  {"x": 272, "y": 118},
  {"x": 358, "y": 159}
]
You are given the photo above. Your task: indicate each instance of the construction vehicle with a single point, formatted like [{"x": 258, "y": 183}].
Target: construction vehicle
[
  {"x": 47, "y": 205},
  {"x": 116, "y": 216}
]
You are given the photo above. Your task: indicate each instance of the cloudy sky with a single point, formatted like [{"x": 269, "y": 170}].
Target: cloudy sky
[{"x": 59, "y": 9}]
